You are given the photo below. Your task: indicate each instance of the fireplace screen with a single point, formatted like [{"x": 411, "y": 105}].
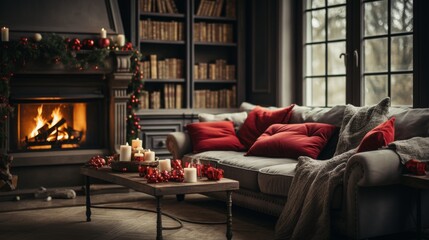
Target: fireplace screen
[{"x": 57, "y": 125}]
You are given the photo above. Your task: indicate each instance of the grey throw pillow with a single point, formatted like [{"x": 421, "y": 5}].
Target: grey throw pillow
[
  {"x": 237, "y": 118},
  {"x": 357, "y": 121}
]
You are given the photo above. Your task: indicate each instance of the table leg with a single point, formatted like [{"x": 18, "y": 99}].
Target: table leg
[
  {"x": 229, "y": 215},
  {"x": 419, "y": 214},
  {"x": 88, "y": 199},
  {"x": 158, "y": 218}
]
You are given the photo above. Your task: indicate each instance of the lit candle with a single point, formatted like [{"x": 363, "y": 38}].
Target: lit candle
[
  {"x": 5, "y": 34},
  {"x": 120, "y": 40},
  {"x": 149, "y": 155},
  {"x": 103, "y": 33},
  {"x": 136, "y": 143},
  {"x": 138, "y": 156},
  {"x": 125, "y": 153},
  {"x": 190, "y": 175},
  {"x": 164, "y": 165}
]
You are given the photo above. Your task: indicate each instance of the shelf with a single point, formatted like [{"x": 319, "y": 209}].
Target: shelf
[
  {"x": 150, "y": 41},
  {"x": 161, "y": 15},
  {"x": 180, "y": 80},
  {"x": 215, "y": 81},
  {"x": 216, "y": 44},
  {"x": 218, "y": 19}
]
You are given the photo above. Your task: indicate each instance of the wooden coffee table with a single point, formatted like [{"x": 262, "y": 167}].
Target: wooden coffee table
[{"x": 158, "y": 190}]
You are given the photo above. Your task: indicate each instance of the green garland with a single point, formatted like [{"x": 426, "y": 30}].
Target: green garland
[
  {"x": 55, "y": 49},
  {"x": 135, "y": 88}
]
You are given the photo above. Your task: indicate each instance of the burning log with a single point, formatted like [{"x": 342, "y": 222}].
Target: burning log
[{"x": 44, "y": 133}]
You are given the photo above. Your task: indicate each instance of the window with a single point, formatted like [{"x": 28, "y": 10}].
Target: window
[{"x": 333, "y": 44}]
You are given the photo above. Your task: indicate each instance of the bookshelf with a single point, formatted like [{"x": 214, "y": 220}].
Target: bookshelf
[{"x": 193, "y": 61}]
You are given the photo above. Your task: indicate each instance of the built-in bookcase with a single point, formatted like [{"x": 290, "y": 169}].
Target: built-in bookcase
[{"x": 190, "y": 54}]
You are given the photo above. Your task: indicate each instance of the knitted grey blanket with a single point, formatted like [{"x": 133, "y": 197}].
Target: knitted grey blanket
[
  {"x": 306, "y": 213},
  {"x": 413, "y": 148}
]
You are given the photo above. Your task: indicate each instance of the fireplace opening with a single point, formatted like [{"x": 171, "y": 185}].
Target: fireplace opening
[{"x": 57, "y": 125}]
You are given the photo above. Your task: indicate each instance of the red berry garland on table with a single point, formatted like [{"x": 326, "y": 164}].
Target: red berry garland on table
[{"x": 96, "y": 162}]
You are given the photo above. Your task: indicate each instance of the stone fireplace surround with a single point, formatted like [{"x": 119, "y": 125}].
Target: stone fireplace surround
[{"x": 60, "y": 167}]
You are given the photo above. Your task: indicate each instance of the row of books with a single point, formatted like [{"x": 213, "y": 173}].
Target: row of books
[
  {"x": 213, "y": 32},
  {"x": 161, "y": 6},
  {"x": 172, "y": 96},
  {"x": 161, "y": 30},
  {"x": 224, "y": 98},
  {"x": 213, "y": 8},
  {"x": 214, "y": 71},
  {"x": 169, "y": 68}
]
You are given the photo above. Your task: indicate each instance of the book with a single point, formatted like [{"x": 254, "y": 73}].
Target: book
[
  {"x": 179, "y": 95},
  {"x": 153, "y": 67}
]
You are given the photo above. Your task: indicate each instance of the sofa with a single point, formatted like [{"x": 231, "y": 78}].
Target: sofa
[{"x": 371, "y": 202}]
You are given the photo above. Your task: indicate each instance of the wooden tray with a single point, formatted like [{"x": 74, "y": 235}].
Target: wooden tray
[{"x": 121, "y": 166}]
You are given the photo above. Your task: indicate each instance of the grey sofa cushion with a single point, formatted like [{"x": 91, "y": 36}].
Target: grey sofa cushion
[
  {"x": 333, "y": 116},
  {"x": 237, "y": 166},
  {"x": 237, "y": 118},
  {"x": 276, "y": 180},
  {"x": 410, "y": 122}
]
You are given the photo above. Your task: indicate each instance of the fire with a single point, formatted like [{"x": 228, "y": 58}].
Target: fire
[{"x": 44, "y": 124}]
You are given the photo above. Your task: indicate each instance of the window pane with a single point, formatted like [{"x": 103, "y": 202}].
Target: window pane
[
  {"x": 336, "y": 91},
  {"x": 334, "y": 2},
  {"x": 402, "y": 89},
  {"x": 402, "y": 16},
  {"x": 316, "y": 91},
  {"x": 315, "y": 59},
  {"x": 316, "y": 26},
  {"x": 315, "y": 3},
  {"x": 335, "y": 63},
  {"x": 375, "y": 22},
  {"x": 375, "y": 89},
  {"x": 375, "y": 55},
  {"x": 402, "y": 53},
  {"x": 337, "y": 23}
]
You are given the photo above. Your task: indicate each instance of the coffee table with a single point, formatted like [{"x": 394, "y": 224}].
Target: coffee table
[{"x": 158, "y": 190}]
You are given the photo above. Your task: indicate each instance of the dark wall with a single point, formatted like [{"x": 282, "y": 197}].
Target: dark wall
[{"x": 271, "y": 51}]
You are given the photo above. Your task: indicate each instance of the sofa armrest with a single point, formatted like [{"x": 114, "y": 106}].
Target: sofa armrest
[
  {"x": 377, "y": 168},
  {"x": 366, "y": 169},
  {"x": 178, "y": 143}
]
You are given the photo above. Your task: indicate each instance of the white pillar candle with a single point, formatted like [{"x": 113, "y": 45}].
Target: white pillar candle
[
  {"x": 190, "y": 175},
  {"x": 5, "y": 34},
  {"x": 164, "y": 165},
  {"x": 136, "y": 143},
  {"x": 125, "y": 153},
  {"x": 149, "y": 155},
  {"x": 103, "y": 33},
  {"x": 120, "y": 40}
]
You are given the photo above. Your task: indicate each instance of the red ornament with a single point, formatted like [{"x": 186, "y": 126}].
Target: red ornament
[
  {"x": 128, "y": 46},
  {"x": 103, "y": 42},
  {"x": 214, "y": 173},
  {"x": 96, "y": 162},
  {"x": 75, "y": 44},
  {"x": 88, "y": 44},
  {"x": 23, "y": 41}
]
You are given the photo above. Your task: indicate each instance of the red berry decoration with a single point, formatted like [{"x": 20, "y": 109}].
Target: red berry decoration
[
  {"x": 88, "y": 44},
  {"x": 23, "y": 41},
  {"x": 128, "y": 46},
  {"x": 75, "y": 44},
  {"x": 214, "y": 173},
  {"x": 103, "y": 42},
  {"x": 96, "y": 162}
]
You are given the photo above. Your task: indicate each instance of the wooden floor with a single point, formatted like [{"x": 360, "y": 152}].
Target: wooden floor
[{"x": 51, "y": 220}]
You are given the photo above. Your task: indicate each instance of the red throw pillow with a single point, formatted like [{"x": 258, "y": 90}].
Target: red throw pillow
[
  {"x": 258, "y": 120},
  {"x": 293, "y": 140},
  {"x": 207, "y": 136},
  {"x": 378, "y": 137}
]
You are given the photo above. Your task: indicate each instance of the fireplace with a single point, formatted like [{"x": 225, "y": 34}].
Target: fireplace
[
  {"x": 62, "y": 125},
  {"x": 61, "y": 119}
]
